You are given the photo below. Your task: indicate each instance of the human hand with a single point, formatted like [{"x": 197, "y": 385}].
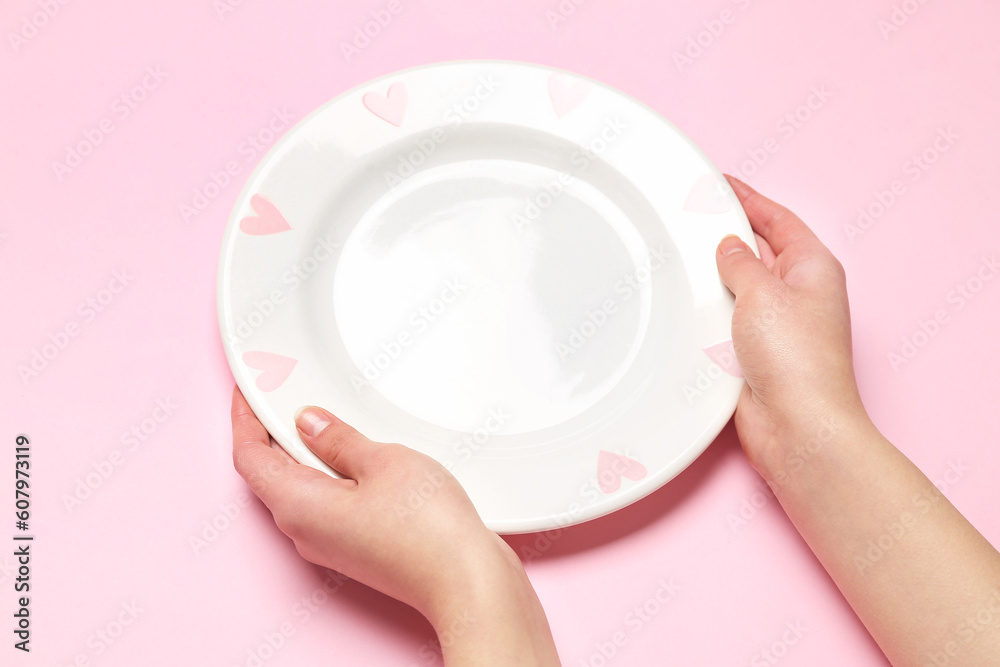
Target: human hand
[
  {"x": 791, "y": 333},
  {"x": 852, "y": 491},
  {"x": 401, "y": 524}
]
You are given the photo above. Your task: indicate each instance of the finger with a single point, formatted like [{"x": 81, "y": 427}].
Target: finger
[
  {"x": 766, "y": 252},
  {"x": 340, "y": 445},
  {"x": 247, "y": 429},
  {"x": 253, "y": 457},
  {"x": 782, "y": 229},
  {"x": 739, "y": 268},
  {"x": 281, "y": 450}
]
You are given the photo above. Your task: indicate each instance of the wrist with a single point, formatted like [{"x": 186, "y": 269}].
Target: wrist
[
  {"x": 481, "y": 577},
  {"x": 493, "y": 616},
  {"x": 802, "y": 450}
]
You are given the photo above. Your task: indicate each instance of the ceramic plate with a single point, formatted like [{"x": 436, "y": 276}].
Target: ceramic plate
[{"x": 508, "y": 267}]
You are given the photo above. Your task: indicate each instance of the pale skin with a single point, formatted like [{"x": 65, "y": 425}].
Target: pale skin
[{"x": 802, "y": 425}]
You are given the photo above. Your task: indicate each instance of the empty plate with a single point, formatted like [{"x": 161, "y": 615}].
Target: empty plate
[{"x": 508, "y": 267}]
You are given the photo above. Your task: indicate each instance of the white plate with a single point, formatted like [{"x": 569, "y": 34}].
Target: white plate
[{"x": 508, "y": 267}]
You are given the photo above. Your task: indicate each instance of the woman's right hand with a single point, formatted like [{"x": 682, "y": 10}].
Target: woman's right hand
[{"x": 791, "y": 333}]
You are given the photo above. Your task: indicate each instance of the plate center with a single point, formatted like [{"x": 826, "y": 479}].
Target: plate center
[{"x": 496, "y": 295}]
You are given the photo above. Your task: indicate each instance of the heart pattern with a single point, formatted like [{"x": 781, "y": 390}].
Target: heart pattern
[
  {"x": 276, "y": 368},
  {"x": 390, "y": 107},
  {"x": 708, "y": 196},
  {"x": 612, "y": 467},
  {"x": 724, "y": 356},
  {"x": 567, "y": 93},
  {"x": 268, "y": 220}
]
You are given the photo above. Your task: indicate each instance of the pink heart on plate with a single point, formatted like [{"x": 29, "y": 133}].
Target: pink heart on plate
[
  {"x": 390, "y": 107},
  {"x": 708, "y": 196},
  {"x": 567, "y": 93},
  {"x": 268, "y": 219},
  {"x": 276, "y": 368},
  {"x": 724, "y": 355},
  {"x": 612, "y": 467}
]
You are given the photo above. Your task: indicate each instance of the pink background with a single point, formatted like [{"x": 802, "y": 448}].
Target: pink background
[{"x": 740, "y": 584}]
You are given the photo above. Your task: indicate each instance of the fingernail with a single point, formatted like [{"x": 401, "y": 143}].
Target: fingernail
[
  {"x": 311, "y": 421},
  {"x": 737, "y": 184},
  {"x": 730, "y": 244}
]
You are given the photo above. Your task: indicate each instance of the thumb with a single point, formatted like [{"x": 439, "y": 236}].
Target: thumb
[
  {"x": 739, "y": 268},
  {"x": 341, "y": 446}
]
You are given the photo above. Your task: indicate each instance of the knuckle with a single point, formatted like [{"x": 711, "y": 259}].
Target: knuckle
[
  {"x": 829, "y": 269},
  {"x": 837, "y": 269},
  {"x": 291, "y": 523},
  {"x": 291, "y": 513}
]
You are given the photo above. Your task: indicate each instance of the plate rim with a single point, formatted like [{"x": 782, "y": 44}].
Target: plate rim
[{"x": 621, "y": 499}]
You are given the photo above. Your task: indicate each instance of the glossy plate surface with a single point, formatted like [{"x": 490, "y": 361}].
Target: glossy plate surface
[{"x": 508, "y": 267}]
